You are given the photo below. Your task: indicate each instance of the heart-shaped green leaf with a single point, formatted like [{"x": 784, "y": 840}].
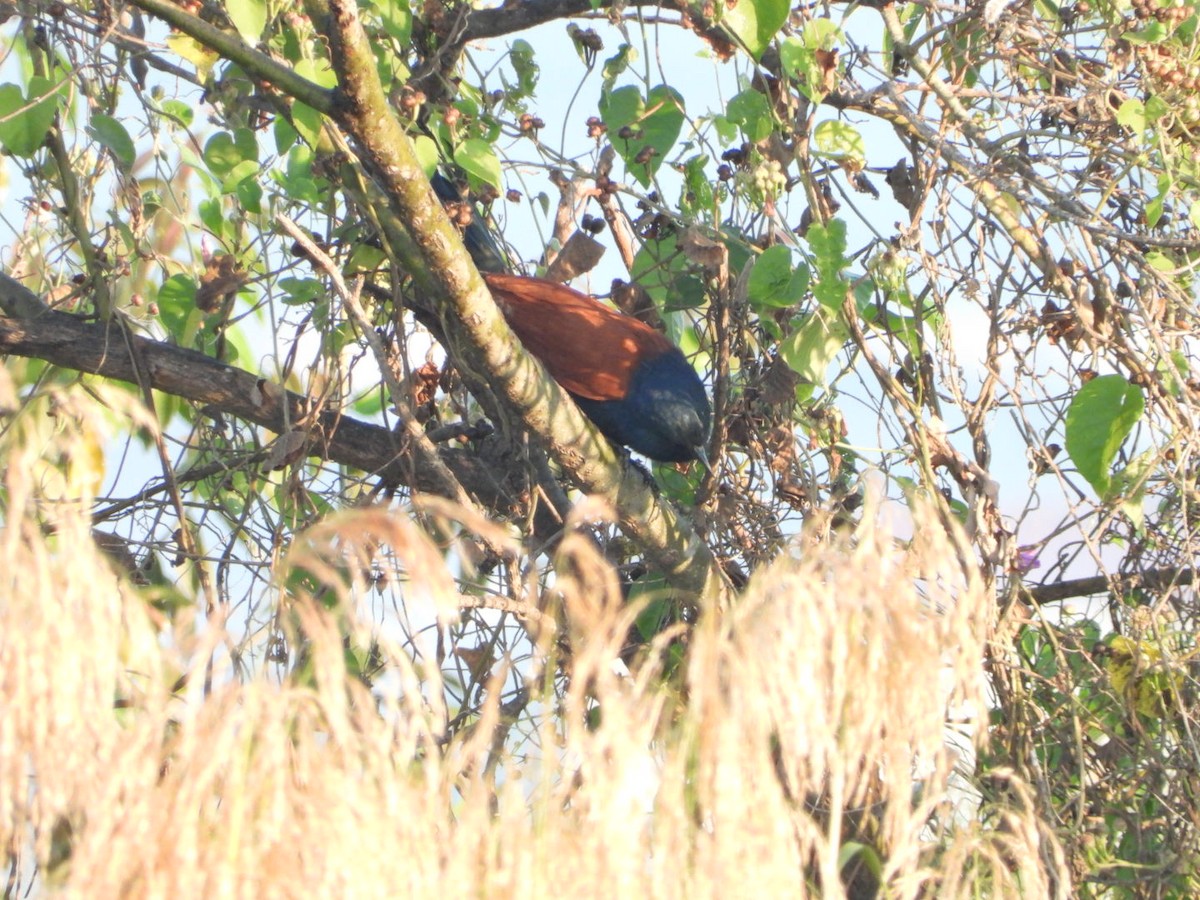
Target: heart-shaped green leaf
[
  {"x": 1100, "y": 417},
  {"x": 811, "y": 348},
  {"x": 756, "y": 22},
  {"x": 643, "y": 129},
  {"x": 25, "y": 119},
  {"x": 249, "y": 17},
  {"x": 478, "y": 159}
]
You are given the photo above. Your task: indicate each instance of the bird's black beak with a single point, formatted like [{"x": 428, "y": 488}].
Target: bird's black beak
[{"x": 702, "y": 456}]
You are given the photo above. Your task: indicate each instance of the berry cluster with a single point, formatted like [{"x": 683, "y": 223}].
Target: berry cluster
[
  {"x": 1172, "y": 71},
  {"x": 769, "y": 178},
  {"x": 1171, "y": 13},
  {"x": 1176, "y": 80},
  {"x": 1165, "y": 67}
]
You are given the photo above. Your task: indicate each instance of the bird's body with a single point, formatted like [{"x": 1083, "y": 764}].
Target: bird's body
[
  {"x": 628, "y": 378},
  {"x": 633, "y": 383}
]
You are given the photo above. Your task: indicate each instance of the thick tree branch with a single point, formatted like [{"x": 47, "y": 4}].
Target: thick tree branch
[
  {"x": 73, "y": 343},
  {"x": 1152, "y": 580},
  {"x": 518, "y": 15}
]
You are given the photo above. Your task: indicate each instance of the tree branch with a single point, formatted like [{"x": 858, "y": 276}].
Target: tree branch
[
  {"x": 521, "y": 15},
  {"x": 72, "y": 343},
  {"x": 231, "y": 47},
  {"x": 1152, "y": 580}
]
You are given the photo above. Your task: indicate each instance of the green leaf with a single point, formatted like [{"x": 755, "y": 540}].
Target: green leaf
[
  {"x": 756, "y": 22},
  {"x": 246, "y": 170},
  {"x": 656, "y": 267},
  {"x": 811, "y": 348},
  {"x": 249, "y": 17},
  {"x": 370, "y": 403},
  {"x": 698, "y": 197},
  {"x": 751, "y": 112},
  {"x": 307, "y": 122},
  {"x": 770, "y": 279},
  {"x": 1100, "y": 417},
  {"x": 112, "y": 134},
  {"x": 299, "y": 291},
  {"x": 25, "y": 120},
  {"x": 654, "y": 122},
  {"x": 828, "y": 244},
  {"x": 180, "y": 111},
  {"x": 1132, "y": 114},
  {"x": 285, "y": 135},
  {"x": 726, "y": 130},
  {"x": 478, "y": 159},
  {"x": 318, "y": 71},
  {"x": 212, "y": 216},
  {"x": 177, "y": 308},
  {"x": 616, "y": 65},
  {"x": 651, "y": 590},
  {"x": 525, "y": 65},
  {"x": 225, "y": 151},
  {"x": 620, "y": 108},
  {"x": 194, "y": 52},
  {"x": 1130, "y": 485},
  {"x": 250, "y": 193},
  {"x": 1173, "y": 372},
  {"x": 1154, "y": 32},
  {"x": 1156, "y": 108},
  {"x": 798, "y": 286},
  {"x": 297, "y": 178},
  {"x": 396, "y": 16},
  {"x": 427, "y": 153},
  {"x": 806, "y": 59},
  {"x": 864, "y": 853},
  {"x": 1154, "y": 209},
  {"x": 1159, "y": 260},
  {"x": 177, "y": 289},
  {"x": 365, "y": 259},
  {"x": 221, "y": 153},
  {"x": 839, "y": 140},
  {"x": 687, "y": 292}
]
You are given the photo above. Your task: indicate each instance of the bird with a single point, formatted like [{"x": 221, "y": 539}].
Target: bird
[{"x": 634, "y": 384}]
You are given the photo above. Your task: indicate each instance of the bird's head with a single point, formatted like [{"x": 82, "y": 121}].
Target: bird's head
[{"x": 676, "y": 416}]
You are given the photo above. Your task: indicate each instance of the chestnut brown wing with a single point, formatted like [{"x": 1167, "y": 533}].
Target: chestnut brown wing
[{"x": 589, "y": 349}]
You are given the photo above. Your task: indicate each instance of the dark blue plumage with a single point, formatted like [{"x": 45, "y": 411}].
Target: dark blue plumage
[
  {"x": 476, "y": 238},
  {"x": 633, "y": 383},
  {"x": 664, "y": 414}
]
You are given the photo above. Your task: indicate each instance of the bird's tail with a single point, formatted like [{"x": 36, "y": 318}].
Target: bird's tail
[{"x": 480, "y": 243}]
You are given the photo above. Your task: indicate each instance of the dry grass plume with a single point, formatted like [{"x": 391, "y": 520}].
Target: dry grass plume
[{"x": 801, "y": 751}]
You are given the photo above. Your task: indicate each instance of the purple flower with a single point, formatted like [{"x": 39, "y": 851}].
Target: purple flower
[{"x": 1027, "y": 559}]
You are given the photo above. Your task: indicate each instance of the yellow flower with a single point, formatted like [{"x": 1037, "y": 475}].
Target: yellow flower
[{"x": 1145, "y": 682}]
